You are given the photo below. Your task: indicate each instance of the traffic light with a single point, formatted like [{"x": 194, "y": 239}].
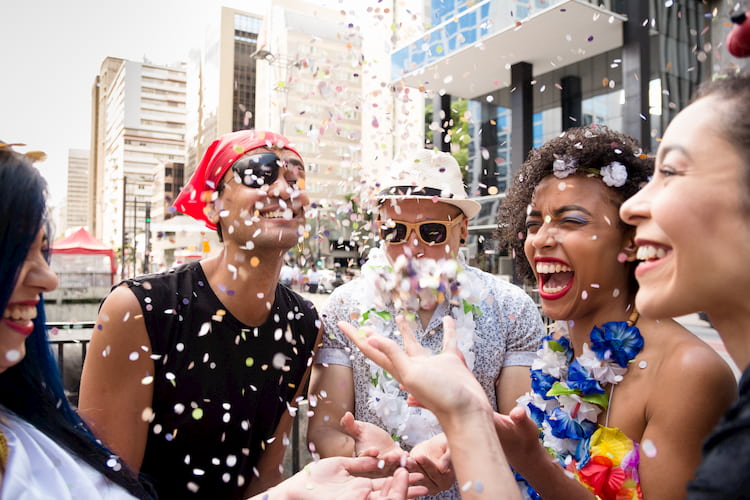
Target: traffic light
[{"x": 148, "y": 213}]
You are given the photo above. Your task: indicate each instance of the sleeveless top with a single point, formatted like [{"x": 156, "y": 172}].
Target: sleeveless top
[
  {"x": 40, "y": 469},
  {"x": 220, "y": 387}
]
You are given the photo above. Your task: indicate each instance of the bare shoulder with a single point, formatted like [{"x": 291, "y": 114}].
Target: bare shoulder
[
  {"x": 121, "y": 299},
  {"x": 687, "y": 363},
  {"x": 120, "y": 323}
]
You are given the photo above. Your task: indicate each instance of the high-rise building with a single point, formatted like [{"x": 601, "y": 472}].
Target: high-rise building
[
  {"x": 138, "y": 129},
  {"x": 309, "y": 88},
  {"x": 77, "y": 206},
  {"x": 221, "y": 82},
  {"x": 520, "y": 72}
]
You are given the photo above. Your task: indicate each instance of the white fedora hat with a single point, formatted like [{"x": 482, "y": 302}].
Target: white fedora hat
[{"x": 428, "y": 174}]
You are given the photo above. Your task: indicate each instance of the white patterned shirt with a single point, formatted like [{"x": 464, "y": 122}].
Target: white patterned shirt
[{"x": 507, "y": 333}]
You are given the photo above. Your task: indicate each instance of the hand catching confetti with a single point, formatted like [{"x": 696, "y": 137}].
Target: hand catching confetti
[{"x": 441, "y": 382}]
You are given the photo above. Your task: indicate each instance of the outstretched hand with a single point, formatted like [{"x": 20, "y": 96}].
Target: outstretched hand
[
  {"x": 432, "y": 458},
  {"x": 371, "y": 440},
  {"x": 519, "y": 436},
  {"x": 440, "y": 382},
  {"x": 340, "y": 478}
]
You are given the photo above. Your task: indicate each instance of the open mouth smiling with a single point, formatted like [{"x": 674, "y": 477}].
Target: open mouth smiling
[
  {"x": 650, "y": 252},
  {"x": 20, "y": 317},
  {"x": 555, "y": 278}
]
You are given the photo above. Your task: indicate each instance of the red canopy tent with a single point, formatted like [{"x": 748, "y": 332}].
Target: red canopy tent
[{"x": 82, "y": 242}]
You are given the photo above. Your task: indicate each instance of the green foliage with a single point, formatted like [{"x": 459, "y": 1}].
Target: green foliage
[{"x": 457, "y": 126}]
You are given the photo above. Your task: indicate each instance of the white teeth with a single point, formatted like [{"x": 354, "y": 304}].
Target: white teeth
[
  {"x": 287, "y": 214},
  {"x": 650, "y": 252},
  {"x": 549, "y": 268},
  {"x": 19, "y": 313},
  {"x": 552, "y": 289}
]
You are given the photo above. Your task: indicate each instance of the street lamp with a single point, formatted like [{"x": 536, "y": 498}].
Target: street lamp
[
  {"x": 263, "y": 55},
  {"x": 280, "y": 85}
]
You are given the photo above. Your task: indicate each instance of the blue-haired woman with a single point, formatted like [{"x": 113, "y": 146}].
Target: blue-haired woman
[{"x": 46, "y": 450}]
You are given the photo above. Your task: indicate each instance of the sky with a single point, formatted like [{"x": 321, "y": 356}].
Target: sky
[{"x": 52, "y": 50}]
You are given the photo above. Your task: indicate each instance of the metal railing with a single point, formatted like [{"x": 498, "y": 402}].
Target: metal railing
[{"x": 69, "y": 342}]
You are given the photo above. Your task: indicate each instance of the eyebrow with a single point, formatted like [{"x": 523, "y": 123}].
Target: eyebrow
[
  {"x": 562, "y": 210},
  {"x": 664, "y": 150},
  {"x": 296, "y": 162}
]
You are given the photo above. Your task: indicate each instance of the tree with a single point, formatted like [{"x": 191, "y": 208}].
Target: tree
[{"x": 457, "y": 126}]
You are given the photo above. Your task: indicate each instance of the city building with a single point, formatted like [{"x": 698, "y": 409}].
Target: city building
[
  {"x": 309, "y": 88},
  {"x": 76, "y": 210},
  {"x": 221, "y": 81},
  {"x": 518, "y": 73},
  {"x": 139, "y": 115}
]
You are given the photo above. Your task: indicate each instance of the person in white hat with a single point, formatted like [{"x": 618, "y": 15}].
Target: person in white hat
[{"x": 422, "y": 219}]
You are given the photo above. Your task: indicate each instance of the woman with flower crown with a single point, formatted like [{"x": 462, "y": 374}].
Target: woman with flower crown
[{"x": 620, "y": 402}]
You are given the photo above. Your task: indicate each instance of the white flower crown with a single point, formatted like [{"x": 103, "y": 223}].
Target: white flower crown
[{"x": 613, "y": 175}]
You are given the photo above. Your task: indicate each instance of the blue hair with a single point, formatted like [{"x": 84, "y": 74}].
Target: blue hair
[{"x": 33, "y": 389}]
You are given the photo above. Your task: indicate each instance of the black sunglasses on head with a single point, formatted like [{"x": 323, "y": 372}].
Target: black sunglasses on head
[{"x": 261, "y": 169}]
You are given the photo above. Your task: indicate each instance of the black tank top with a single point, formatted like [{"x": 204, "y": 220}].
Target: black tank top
[{"x": 220, "y": 387}]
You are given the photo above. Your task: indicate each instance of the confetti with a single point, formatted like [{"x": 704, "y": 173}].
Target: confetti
[
  {"x": 648, "y": 448},
  {"x": 13, "y": 355}
]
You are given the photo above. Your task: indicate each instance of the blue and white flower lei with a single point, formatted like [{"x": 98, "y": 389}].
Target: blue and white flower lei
[
  {"x": 569, "y": 394},
  {"x": 403, "y": 287}
]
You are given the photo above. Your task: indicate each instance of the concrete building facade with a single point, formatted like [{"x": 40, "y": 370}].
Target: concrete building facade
[
  {"x": 521, "y": 72},
  {"x": 309, "y": 87},
  {"x": 76, "y": 209},
  {"x": 138, "y": 128}
]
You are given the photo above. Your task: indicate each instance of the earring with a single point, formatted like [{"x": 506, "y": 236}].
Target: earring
[{"x": 463, "y": 241}]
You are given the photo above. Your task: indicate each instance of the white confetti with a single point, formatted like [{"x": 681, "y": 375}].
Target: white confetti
[
  {"x": 648, "y": 448},
  {"x": 205, "y": 328},
  {"x": 13, "y": 355}
]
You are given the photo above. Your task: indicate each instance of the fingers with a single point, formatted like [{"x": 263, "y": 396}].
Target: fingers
[
  {"x": 518, "y": 414},
  {"x": 443, "y": 463},
  {"x": 411, "y": 344},
  {"x": 360, "y": 336},
  {"x": 349, "y": 425},
  {"x": 450, "y": 343},
  {"x": 399, "y": 485},
  {"x": 395, "y": 359},
  {"x": 358, "y": 465},
  {"x": 412, "y": 401}
]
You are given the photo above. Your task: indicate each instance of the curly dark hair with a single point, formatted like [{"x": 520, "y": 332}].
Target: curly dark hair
[{"x": 587, "y": 149}]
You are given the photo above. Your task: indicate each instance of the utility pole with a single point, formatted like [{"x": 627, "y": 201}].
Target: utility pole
[
  {"x": 135, "y": 232},
  {"x": 124, "y": 206},
  {"x": 147, "y": 246}
]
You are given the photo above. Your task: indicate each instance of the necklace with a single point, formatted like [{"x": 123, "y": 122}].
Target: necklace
[
  {"x": 569, "y": 393},
  {"x": 403, "y": 288}
]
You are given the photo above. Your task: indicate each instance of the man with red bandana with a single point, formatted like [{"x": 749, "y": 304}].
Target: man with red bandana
[{"x": 192, "y": 374}]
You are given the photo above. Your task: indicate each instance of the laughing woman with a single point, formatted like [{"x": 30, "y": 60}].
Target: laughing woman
[
  {"x": 693, "y": 233},
  {"x": 46, "y": 450},
  {"x": 620, "y": 401}
]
